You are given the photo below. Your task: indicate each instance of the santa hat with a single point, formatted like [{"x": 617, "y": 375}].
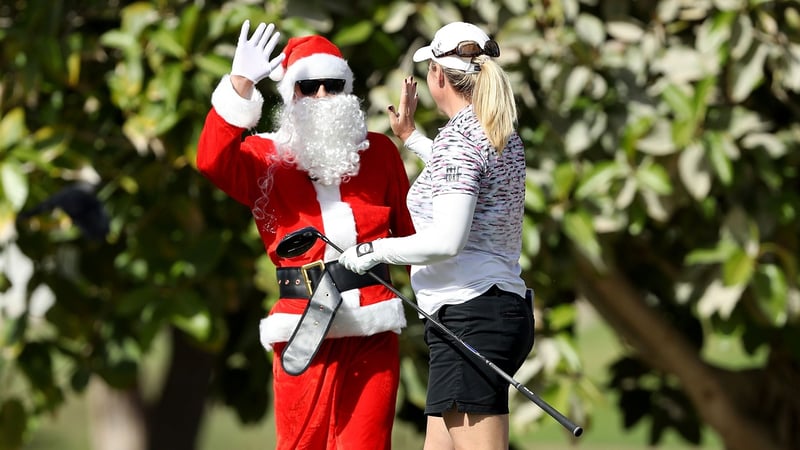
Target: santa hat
[{"x": 309, "y": 58}]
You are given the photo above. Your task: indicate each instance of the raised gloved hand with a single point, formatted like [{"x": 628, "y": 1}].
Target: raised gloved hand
[
  {"x": 251, "y": 59},
  {"x": 360, "y": 258}
]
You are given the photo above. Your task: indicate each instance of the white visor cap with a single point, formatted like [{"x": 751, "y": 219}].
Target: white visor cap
[{"x": 446, "y": 39}]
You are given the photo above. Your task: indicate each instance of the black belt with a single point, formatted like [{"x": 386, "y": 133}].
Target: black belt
[{"x": 298, "y": 282}]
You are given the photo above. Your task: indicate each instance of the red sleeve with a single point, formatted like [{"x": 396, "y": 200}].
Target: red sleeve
[
  {"x": 227, "y": 160},
  {"x": 400, "y": 222}
]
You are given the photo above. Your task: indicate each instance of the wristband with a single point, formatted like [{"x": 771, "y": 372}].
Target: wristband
[{"x": 364, "y": 249}]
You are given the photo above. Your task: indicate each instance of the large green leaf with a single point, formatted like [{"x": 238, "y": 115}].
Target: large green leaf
[
  {"x": 681, "y": 64},
  {"x": 354, "y": 34},
  {"x": 578, "y": 226},
  {"x": 738, "y": 269},
  {"x": 715, "y": 32},
  {"x": 680, "y": 102},
  {"x": 397, "y": 16},
  {"x": 652, "y": 176},
  {"x": 719, "y": 148},
  {"x": 534, "y": 197},
  {"x": 598, "y": 180},
  {"x": 14, "y": 183},
  {"x": 720, "y": 299},
  {"x": 120, "y": 40},
  {"x": 12, "y": 128},
  {"x": 722, "y": 252},
  {"x": 748, "y": 72},
  {"x": 563, "y": 180},
  {"x": 168, "y": 41},
  {"x": 693, "y": 171},
  {"x": 137, "y": 16},
  {"x": 590, "y": 29},
  {"x": 659, "y": 141},
  {"x": 772, "y": 293}
]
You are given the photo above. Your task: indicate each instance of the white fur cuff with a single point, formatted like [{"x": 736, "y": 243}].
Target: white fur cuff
[
  {"x": 387, "y": 315},
  {"x": 237, "y": 111}
]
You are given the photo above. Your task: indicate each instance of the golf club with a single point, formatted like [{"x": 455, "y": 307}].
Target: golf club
[{"x": 300, "y": 241}]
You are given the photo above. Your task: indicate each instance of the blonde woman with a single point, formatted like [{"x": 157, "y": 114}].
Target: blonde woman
[{"x": 467, "y": 208}]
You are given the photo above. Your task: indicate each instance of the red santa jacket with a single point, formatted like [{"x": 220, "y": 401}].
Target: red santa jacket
[{"x": 283, "y": 199}]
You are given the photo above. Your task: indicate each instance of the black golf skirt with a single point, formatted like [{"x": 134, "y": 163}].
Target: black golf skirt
[{"x": 499, "y": 326}]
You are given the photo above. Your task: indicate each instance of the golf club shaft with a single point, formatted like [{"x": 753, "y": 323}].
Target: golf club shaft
[{"x": 554, "y": 413}]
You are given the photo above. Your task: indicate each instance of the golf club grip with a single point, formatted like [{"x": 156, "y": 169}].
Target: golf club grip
[{"x": 554, "y": 413}]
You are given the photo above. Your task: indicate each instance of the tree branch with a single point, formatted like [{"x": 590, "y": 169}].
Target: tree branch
[{"x": 665, "y": 349}]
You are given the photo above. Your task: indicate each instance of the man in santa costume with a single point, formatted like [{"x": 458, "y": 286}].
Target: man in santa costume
[{"x": 320, "y": 168}]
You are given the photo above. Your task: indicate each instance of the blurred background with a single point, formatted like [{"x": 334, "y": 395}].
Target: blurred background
[{"x": 660, "y": 235}]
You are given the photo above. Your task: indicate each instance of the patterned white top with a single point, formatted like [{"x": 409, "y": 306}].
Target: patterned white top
[{"x": 463, "y": 161}]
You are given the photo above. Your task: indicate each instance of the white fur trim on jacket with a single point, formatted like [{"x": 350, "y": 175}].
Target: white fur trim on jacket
[
  {"x": 367, "y": 320},
  {"x": 320, "y": 65},
  {"x": 237, "y": 111}
]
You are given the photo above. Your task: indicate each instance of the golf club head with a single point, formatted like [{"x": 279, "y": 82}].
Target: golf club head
[{"x": 297, "y": 242}]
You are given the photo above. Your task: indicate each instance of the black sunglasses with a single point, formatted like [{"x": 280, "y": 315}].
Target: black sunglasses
[
  {"x": 310, "y": 87},
  {"x": 471, "y": 49}
]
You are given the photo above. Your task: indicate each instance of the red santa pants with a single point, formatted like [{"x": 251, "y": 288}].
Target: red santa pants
[{"x": 346, "y": 398}]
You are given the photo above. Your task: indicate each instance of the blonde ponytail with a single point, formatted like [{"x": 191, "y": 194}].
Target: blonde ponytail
[
  {"x": 489, "y": 91},
  {"x": 494, "y": 103}
]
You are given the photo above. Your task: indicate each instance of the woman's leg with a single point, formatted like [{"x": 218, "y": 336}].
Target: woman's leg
[
  {"x": 436, "y": 435},
  {"x": 477, "y": 431},
  {"x": 470, "y": 397}
]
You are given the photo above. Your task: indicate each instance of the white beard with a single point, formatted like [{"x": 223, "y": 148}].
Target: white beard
[{"x": 323, "y": 136}]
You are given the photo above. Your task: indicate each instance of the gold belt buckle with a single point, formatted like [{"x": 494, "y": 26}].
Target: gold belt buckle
[{"x": 304, "y": 270}]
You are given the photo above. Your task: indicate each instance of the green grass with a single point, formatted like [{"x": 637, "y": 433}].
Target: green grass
[{"x": 68, "y": 430}]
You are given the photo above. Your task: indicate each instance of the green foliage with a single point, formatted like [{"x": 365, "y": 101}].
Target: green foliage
[
  {"x": 122, "y": 106},
  {"x": 679, "y": 125},
  {"x": 642, "y": 395}
]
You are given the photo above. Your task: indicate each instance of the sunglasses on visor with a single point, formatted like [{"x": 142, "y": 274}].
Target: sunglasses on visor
[
  {"x": 310, "y": 87},
  {"x": 471, "y": 49}
]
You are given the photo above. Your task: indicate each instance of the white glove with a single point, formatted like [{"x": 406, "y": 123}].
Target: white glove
[
  {"x": 360, "y": 258},
  {"x": 251, "y": 59}
]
